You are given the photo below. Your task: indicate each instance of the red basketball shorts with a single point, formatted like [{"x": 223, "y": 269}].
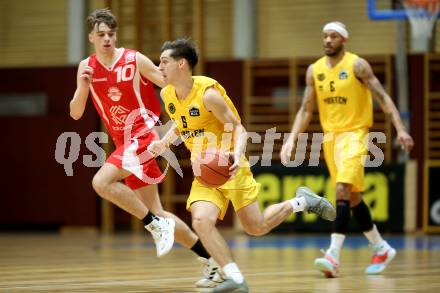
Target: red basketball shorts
[{"x": 133, "y": 157}]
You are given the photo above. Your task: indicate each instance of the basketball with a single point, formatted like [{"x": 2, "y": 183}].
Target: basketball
[{"x": 211, "y": 168}]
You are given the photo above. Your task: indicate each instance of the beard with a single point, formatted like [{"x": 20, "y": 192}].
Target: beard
[{"x": 335, "y": 52}]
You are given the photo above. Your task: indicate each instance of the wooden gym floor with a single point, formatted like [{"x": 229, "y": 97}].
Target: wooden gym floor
[{"x": 274, "y": 263}]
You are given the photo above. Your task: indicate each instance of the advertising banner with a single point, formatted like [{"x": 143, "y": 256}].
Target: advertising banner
[
  {"x": 384, "y": 195},
  {"x": 432, "y": 197}
]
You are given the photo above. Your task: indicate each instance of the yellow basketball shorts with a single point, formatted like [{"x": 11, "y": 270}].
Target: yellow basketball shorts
[
  {"x": 241, "y": 190},
  {"x": 344, "y": 154}
]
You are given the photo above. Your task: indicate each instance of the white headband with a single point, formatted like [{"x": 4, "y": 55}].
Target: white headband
[{"x": 338, "y": 27}]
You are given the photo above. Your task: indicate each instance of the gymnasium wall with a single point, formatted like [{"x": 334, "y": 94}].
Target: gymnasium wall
[
  {"x": 34, "y": 33},
  {"x": 293, "y": 28},
  {"x": 36, "y": 192}
]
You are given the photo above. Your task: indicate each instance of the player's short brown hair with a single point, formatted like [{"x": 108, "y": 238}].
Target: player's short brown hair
[
  {"x": 99, "y": 16},
  {"x": 182, "y": 48}
]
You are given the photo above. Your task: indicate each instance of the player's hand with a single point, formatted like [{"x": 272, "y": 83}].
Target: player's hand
[
  {"x": 405, "y": 140},
  {"x": 235, "y": 159},
  {"x": 286, "y": 150},
  {"x": 156, "y": 148},
  {"x": 86, "y": 75}
]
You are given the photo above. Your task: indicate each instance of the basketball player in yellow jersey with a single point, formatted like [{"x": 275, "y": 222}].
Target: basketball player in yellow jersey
[
  {"x": 201, "y": 108},
  {"x": 343, "y": 83}
]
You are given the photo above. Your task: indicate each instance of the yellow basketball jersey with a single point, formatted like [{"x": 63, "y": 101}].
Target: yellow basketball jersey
[
  {"x": 199, "y": 128},
  {"x": 344, "y": 102}
]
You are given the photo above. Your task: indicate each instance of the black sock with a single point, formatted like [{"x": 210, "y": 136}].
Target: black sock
[
  {"x": 340, "y": 225},
  {"x": 200, "y": 250},
  {"x": 149, "y": 218},
  {"x": 363, "y": 216}
]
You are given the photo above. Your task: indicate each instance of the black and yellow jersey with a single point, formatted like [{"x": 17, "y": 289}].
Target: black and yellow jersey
[
  {"x": 344, "y": 102},
  {"x": 198, "y": 127}
]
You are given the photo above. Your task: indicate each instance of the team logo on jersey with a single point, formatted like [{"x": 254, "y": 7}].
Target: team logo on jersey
[
  {"x": 194, "y": 111},
  {"x": 343, "y": 74},
  {"x": 171, "y": 108},
  {"x": 321, "y": 76},
  {"x": 114, "y": 94},
  {"x": 130, "y": 57},
  {"x": 119, "y": 114}
]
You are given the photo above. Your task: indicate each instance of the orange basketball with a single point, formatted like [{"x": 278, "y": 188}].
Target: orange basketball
[{"x": 211, "y": 168}]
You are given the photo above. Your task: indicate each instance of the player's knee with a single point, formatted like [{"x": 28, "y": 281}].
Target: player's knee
[
  {"x": 343, "y": 191},
  {"x": 99, "y": 184},
  {"x": 355, "y": 199},
  {"x": 254, "y": 231},
  {"x": 202, "y": 225}
]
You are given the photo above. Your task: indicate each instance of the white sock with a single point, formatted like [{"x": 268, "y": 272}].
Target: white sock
[
  {"x": 232, "y": 271},
  {"x": 298, "y": 204},
  {"x": 373, "y": 236},
  {"x": 337, "y": 241},
  {"x": 336, "y": 245}
]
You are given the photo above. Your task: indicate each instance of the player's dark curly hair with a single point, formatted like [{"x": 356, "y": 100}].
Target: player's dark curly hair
[
  {"x": 99, "y": 16},
  {"x": 182, "y": 48}
]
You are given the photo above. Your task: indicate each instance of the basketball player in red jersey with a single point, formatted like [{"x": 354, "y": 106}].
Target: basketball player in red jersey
[{"x": 119, "y": 82}]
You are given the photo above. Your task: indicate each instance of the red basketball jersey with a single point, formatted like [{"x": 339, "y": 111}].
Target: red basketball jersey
[{"x": 125, "y": 100}]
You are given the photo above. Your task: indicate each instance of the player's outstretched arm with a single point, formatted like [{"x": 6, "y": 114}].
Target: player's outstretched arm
[
  {"x": 79, "y": 100},
  {"x": 302, "y": 118},
  {"x": 149, "y": 70},
  {"x": 364, "y": 72},
  {"x": 215, "y": 103}
]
